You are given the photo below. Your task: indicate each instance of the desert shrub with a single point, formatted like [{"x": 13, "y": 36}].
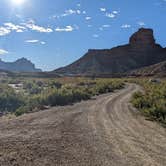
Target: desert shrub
[
  {"x": 64, "y": 96},
  {"x": 55, "y": 84},
  {"x": 9, "y": 100},
  {"x": 32, "y": 87},
  {"x": 153, "y": 101},
  {"x": 21, "y": 110},
  {"x": 38, "y": 93}
]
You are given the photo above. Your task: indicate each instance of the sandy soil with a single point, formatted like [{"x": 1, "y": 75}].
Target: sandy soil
[{"x": 105, "y": 131}]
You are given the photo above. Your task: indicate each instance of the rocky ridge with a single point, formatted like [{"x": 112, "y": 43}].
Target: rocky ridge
[{"x": 141, "y": 51}]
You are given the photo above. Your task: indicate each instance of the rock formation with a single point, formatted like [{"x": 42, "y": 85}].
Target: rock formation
[
  {"x": 21, "y": 65},
  {"x": 142, "y": 38},
  {"x": 140, "y": 52}
]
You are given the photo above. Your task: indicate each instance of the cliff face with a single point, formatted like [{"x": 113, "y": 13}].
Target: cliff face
[
  {"x": 21, "y": 65},
  {"x": 142, "y": 39},
  {"x": 141, "y": 51}
]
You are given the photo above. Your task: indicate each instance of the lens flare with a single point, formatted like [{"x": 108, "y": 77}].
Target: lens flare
[{"x": 18, "y": 2}]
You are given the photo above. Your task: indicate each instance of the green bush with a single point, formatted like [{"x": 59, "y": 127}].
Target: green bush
[
  {"x": 153, "y": 101},
  {"x": 38, "y": 93},
  {"x": 21, "y": 110},
  {"x": 9, "y": 100}
]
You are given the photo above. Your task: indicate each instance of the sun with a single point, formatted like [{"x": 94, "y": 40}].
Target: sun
[{"x": 18, "y": 2}]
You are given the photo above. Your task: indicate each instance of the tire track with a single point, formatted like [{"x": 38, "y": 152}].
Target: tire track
[{"x": 101, "y": 132}]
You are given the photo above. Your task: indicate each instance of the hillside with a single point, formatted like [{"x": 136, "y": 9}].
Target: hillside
[
  {"x": 141, "y": 51},
  {"x": 158, "y": 69},
  {"x": 20, "y": 65}
]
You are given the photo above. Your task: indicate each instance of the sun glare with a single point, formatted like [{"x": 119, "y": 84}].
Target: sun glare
[{"x": 18, "y": 2}]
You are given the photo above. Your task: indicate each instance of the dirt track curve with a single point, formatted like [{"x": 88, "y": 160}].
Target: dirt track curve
[{"x": 106, "y": 131}]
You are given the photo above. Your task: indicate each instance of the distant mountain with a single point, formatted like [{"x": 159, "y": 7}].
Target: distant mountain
[
  {"x": 20, "y": 65},
  {"x": 141, "y": 51}
]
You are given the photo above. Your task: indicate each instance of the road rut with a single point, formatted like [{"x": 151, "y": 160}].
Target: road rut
[{"x": 106, "y": 131}]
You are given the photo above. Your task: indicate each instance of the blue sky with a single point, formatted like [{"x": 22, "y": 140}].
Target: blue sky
[{"x": 54, "y": 33}]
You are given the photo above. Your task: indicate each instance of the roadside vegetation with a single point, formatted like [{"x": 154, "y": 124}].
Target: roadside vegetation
[
  {"x": 21, "y": 96},
  {"x": 152, "y": 101}
]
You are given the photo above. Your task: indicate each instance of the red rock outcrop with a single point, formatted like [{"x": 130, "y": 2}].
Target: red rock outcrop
[
  {"x": 143, "y": 38},
  {"x": 140, "y": 52}
]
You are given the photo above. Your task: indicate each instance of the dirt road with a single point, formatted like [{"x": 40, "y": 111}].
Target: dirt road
[{"x": 105, "y": 131}]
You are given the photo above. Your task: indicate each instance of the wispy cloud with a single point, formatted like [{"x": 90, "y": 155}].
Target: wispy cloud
[
  {"x": 90, "y": 26},
  {"x": 126, "y": 26},
  {"x": 32, "y": 26},
  {"x": 42, "y": 42},
  {"x": 88, "y": 18},
  {"x": 95, "y": 35},
  {"x": 70, "y": 12},
  {"x": 35, "y": 41},
  {"x": 67, "y": 28},
  {"x": 12, "y": 27},
  {"x": 112, "y": 14},
  {"x": 32, "y": 41},
  {"x": 104, "y": 27},
  {"x": 2, "y": 52},
  {"x": 103, "y": 9},
  {"x": 9, "y": 27},
  {"x": 115, "y": 12},
  {"x": 4, "y": 31},
  {"x": 141, "y": 23}
]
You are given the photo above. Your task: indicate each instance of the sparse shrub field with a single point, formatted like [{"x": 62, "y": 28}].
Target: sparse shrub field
[
  {"x": 21, "y": 96},
  {"x": 152, "y": 101}
]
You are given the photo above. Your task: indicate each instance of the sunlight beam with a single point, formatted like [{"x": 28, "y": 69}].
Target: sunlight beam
[{"x": 18, "y": 2}]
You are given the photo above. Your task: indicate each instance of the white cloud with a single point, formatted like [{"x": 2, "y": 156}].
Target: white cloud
[
  {"x": 95, "y": 35},
  {"x": 2, "y": 52},
  {"x": 126, "y": 26},
  {"x": 68, "y": 28},
  {"x": 115, "y": 12},
  {"x": 103, "y": 9},
  {"x": 31, "y": 25},
  {"x": 90, "y": 26},
  {"x": 8, "y": 27},
  {"x": 35, "y": 41},
  {"x": 12, "y": 27},
  {"x": 4, "y": 31},
  {"x": 42, "y": 42},
  {"x": 110, "y": 15},
  {"x": 88, "y": 18},
  {"x": 141, "y": 23},
  {"x": 70, "y": 12},
  {"x": 106, "y": 26},
  {"x": 19, "y": 31},
  {"x": 32, "y": 41}
]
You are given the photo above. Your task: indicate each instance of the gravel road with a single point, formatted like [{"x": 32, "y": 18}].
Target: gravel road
[{"x": 105, "y": 131}]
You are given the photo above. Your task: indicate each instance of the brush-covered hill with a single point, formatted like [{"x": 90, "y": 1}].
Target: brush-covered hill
[
  {"x": 158, "y": 69},
  {"x": 141, "y": 51}
]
